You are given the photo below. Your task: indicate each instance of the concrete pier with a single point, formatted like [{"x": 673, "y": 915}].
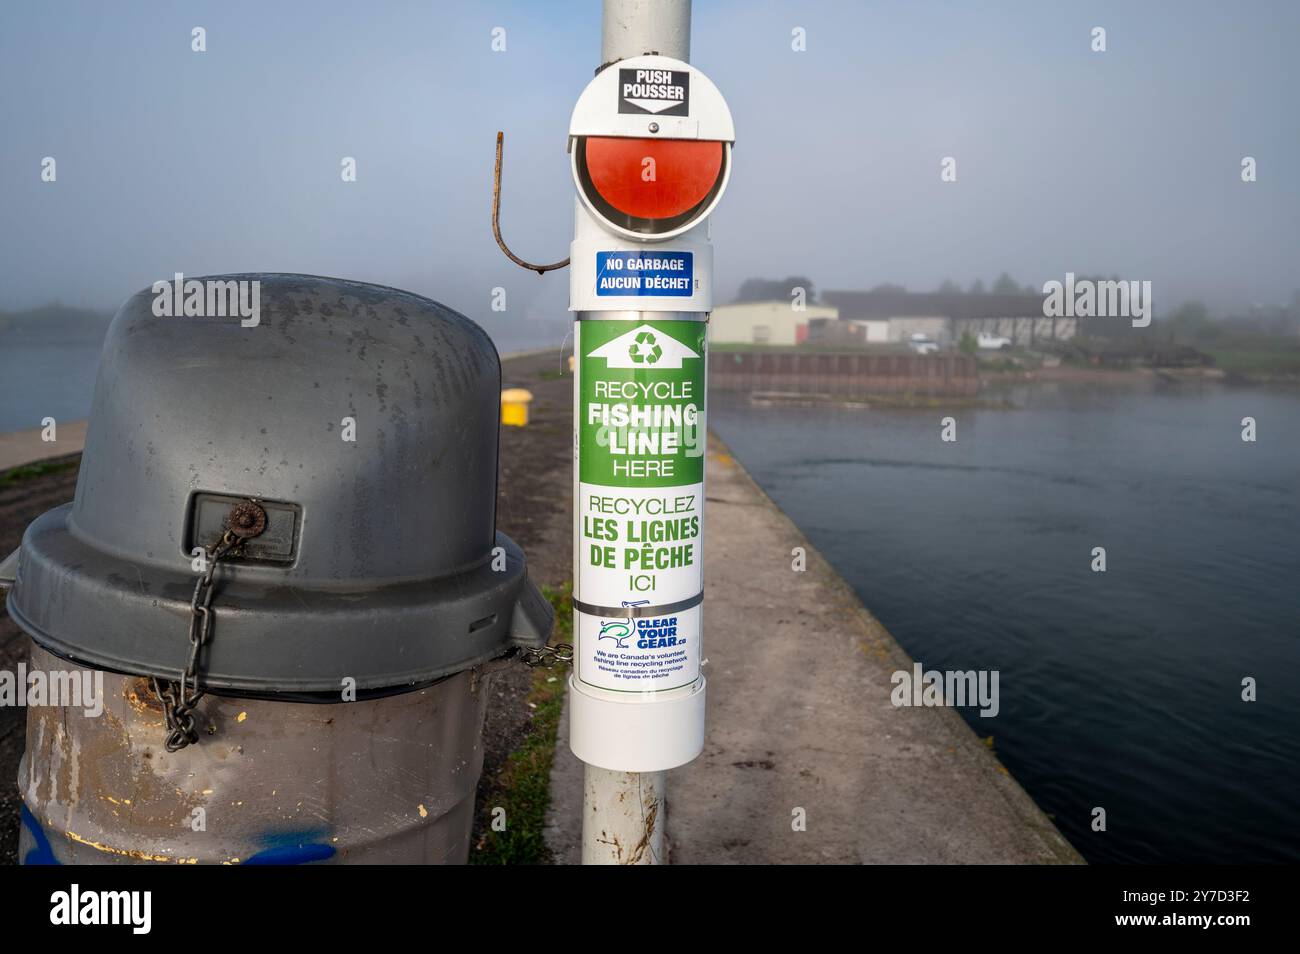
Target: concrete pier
[
  {"x": 801, "y": 732},
  {"x": 26, "y": 447}
]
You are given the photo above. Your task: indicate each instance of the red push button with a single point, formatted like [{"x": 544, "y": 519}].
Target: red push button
[{"x": 679, "y": 177}]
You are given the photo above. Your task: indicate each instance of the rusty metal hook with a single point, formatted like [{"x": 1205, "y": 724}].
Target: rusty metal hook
[{"x": 496, "y": 220}]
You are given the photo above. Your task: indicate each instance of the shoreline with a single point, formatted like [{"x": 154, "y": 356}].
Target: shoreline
[{"x": 25, "y": 447}]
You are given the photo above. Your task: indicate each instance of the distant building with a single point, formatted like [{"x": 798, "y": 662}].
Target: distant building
[
  {"x": 833, "y": 331},
  {"x": 764, "y": 322},
  {"x": 935, "y": 327},
  {"x": 946, "y": 317}
]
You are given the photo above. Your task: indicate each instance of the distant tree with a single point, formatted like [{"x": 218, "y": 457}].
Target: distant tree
[
  {"x": 1033, "y": 290},
  {"x": 1006, "y": 285},
  {"x": 968, "y": 344},
  {"x": 889, "y": 288},
  {"x": 949, "y": 287},
  {"x": 1192, "y": 320},
  {"x": 766, "y": 289},
  {"x": 977, "y": 287}
]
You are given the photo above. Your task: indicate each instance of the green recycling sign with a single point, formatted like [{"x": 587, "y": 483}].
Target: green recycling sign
[
  {"x": 641, "y": 397},
  {"x": 645, "y": 349},
  {"x": 640, "y": 502}
]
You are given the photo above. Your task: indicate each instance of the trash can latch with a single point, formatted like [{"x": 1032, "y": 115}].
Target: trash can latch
[{"x": 245, "y": 521}]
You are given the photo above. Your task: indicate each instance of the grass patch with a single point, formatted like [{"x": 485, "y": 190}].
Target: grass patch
[
  {"x": 40, "y": 468},
  {"x": 1000, "y": 365},
  {"x": 524, "y": 785},
  {"x": 1257, "y": 362},
  {"x": 813, "y": 347}
]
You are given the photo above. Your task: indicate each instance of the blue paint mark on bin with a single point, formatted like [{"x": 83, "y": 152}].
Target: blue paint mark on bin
[
  {"x": 293, "y": 848},
  {"x": 282, "y": 848},
  {"x": 43, "y": 853}
]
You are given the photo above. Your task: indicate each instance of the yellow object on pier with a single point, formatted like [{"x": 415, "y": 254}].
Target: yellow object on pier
[{"x": 514, "y": 406}]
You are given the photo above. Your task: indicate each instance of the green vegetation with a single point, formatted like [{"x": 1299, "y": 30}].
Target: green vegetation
[
  {"x": 1191, "y": 321},
  {"x": 523, "y": 788},
  {"x": 1252, "y": 354},
  {"x": 809, "y": 347},
  {"x": 1009, "y": 360},
  {"x": 40, "y": 468},
  {"x": 55, "y": 323},
  {"x": 1279, "y": 361},
  {"x": 1260, "y": 348},
  {"x": 1000, "y": 365}
]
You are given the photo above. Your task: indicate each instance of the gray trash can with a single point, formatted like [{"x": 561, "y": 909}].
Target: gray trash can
[{"x": 282, "y": 564}]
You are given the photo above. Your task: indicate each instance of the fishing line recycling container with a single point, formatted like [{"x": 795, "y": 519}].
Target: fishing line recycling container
[
  {"x": 650, "y": 145},
  {"x": 344, "y": 670}
]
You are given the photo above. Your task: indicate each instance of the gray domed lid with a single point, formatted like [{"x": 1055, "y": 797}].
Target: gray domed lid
[{"x": 362, "y": 420}]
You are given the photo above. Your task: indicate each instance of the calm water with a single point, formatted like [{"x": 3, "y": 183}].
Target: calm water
[
  {"x": 46, "y": 376},
  {"x": 39, "y": 379},
  {"x": 1119, "y": 689}
]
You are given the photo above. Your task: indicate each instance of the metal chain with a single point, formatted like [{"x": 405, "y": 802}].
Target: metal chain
[
  {"x": 559, "y": 653},
  {"x": 180, "y": 698}
]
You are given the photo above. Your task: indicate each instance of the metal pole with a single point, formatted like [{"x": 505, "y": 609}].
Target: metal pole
[
  {"x": 623, "y": 820},
  {"x": 623, "y": 816},
  {"x": 634, "y": 27}
]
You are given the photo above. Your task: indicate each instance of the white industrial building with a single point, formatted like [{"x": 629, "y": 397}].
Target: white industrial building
[
  {"x": 888, "y": 317},
  {"x": 946, "y": 317},
  {"x": 874, "y": 331},
  {"x": 764, "y": 322}
]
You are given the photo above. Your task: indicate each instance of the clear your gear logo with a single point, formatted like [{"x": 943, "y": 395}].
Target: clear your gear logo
[
  {"x": 616, "y": 629},
  {"x": 643, "y": 347},
  {"x": 658, "y": 633},
  {"x": 619, "y": 629}
]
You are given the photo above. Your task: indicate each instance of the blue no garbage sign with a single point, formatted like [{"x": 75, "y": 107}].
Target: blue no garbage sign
[{"x": 656, "y": 274}]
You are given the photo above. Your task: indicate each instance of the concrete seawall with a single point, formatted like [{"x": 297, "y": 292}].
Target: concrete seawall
[
  {"x": 844, "y": 374},
  {"x": 800, "y": 724}
]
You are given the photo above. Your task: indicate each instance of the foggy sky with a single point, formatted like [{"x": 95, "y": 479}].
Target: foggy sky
[{"x": 1125, "y": 162}]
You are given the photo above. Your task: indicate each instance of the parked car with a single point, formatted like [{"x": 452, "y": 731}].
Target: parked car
[
  {"x": 988, "y": 341},
  {"x": 922, "y": 344}
]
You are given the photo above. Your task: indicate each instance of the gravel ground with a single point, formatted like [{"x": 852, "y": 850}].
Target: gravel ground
[
  {"x": 533, "y": 508},
  {"x": 20, "y": 503}
]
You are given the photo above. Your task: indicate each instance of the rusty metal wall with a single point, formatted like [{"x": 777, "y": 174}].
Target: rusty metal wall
[
  {"x": 380, "y": 781},
  {"x": 841, "y": 374}
]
